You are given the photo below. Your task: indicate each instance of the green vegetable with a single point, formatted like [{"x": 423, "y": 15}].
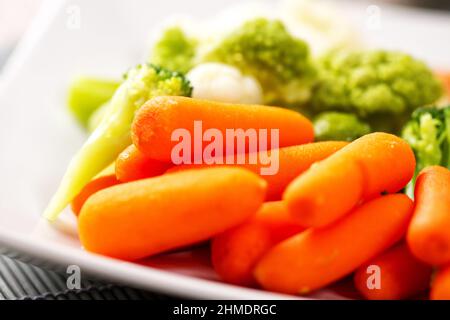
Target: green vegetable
[
  {"x": 174, "y": 50},
  {"x": 96, "y": 117},
  {"x": 385, "y": 122},
  {"x": 87, "y": 94},
  {"x": 265, "y": 50},
  {"x": 113, "y": 133},
  {"x": 428, "y": 133},
  {"x": 339, "y": 126},
  {"x": 374, "y": 82}
]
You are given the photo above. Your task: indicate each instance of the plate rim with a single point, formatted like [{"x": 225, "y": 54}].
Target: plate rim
[
  {"x": 128, "y": 273},
  {"x": 164, "y": 282}
]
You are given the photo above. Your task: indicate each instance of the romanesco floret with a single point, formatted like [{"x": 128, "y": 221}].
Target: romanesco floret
[
  {"x": 339, "y": 126},
  {"x": 265, "y": 50},
  {"x": 174, "y": 50},
  {"x": 374, "y": 82}
]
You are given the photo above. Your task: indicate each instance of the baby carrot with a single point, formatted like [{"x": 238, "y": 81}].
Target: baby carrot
[
  {"x": 290, "y": 162},
  {"x": 320, "y": 256},
  {"x": 235, "y": 252},
  {"x": 429, "y": 232},
  {"x": 445, "y": 79},
  {"x": 92, "y": 187},
  {"x": 367, "y": 167},
  {"x": 440, "y": 286},
  {"x": 399, "y": 273},
  {"x": 160, "y": 117},
  {"x": 145, "y": 217},
  {"x": 132, "y": 165}
]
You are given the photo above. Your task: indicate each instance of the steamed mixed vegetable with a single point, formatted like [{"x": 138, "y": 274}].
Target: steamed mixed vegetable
[
  {"x": 362, "y": 174},
  {"x": 264, "y": 49},
  {"x": 113, "y": 132}
]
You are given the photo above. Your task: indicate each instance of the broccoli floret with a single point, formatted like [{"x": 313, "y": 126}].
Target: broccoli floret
[
  {"x": 167, "y": 82},
  {"x": 113, "y": 133},
  {"x": 374, "y": 82},
  {"x": 265, "y": 50},
  {"x": 159, "y": 81},
  {"x": 174, "y": 50},
  {"x": 87, "y": 94},
  {"x": 428, "y": 133},
  {"x": 339, "y": 126}
]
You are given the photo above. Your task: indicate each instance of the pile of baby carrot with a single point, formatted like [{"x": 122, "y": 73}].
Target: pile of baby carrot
[{"x": 331, "y": 210}]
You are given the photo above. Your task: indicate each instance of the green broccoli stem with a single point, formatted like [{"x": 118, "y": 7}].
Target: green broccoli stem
[
  {"x": 102, "y": 147},
  {"x": 96, "y": 118},
  {"x": 87, "y": 94}
]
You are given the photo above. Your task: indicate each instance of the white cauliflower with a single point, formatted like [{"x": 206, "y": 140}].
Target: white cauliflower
[
  {"x": 320, "y": 24},
  {"x": 221, "y": 82}
]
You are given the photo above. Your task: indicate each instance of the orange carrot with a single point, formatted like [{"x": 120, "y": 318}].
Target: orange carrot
[
  {"x": 92, "y": 187},
  {"x": 157, "y": 120},
  {"x": 132, "y": 165},
  {"x": 400, "y": 275},
  {"x": 440, "y": 286},
  {"x": 429, "y": 232},
  {"x": 367, "y": 167},
  {"x": 235, "y": 252},
  {"x": 145, "y": 217},
  {"x": 318, "y": 257},
  {"x": 444, "y": 76},
  {"x": 291, "y": 161}
]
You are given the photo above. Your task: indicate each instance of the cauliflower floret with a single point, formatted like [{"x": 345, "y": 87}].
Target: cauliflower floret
[
  {"x": 320, "y": 24},
  {"x": 221, "y": 82}
]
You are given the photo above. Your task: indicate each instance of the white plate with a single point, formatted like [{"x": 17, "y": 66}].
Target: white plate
[{"x": 38, "y": 137}]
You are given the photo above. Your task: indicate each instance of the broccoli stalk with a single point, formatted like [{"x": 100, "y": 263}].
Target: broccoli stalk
[
  {"x": 264, "y": 49},
  {"x": 87, "y": 94},
  {"x": 96, "y": 117},
  {"x": 428, "y": 133},
  {"x": 113, "y": 133}
]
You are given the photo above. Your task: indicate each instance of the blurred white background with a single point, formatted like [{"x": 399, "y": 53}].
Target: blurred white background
[{"x": 15, "y": 17}]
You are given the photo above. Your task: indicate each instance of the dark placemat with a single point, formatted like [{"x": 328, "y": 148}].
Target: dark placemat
[{"x": 22, "y": 281}]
